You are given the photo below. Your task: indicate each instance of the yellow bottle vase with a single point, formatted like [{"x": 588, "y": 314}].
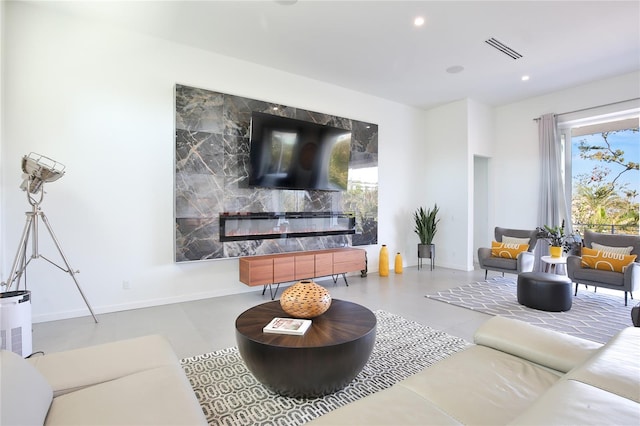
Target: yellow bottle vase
[
  {"x": 383, "y": 268},
  {"x": 398, "y": 264}
]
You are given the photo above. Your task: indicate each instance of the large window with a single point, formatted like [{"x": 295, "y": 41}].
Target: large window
[{"x": 602, "y": 180}]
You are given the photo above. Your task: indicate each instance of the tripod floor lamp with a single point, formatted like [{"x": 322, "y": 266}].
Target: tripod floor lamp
[{"x": 38, "y": 170}]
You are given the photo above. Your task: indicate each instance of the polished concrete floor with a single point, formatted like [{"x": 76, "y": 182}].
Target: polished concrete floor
[{"x": 207, "y": 325}]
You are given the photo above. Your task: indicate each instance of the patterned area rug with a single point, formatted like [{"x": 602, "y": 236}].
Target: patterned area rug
[
  {"x": 593, "y": 316},
  {"x": 230, "y": 395}
]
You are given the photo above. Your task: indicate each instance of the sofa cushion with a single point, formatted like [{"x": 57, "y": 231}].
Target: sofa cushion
[
  {"x": 574, "y": 403},
  {"x": 159, "y": 396},
  {"x": 615, "y": 367},
  {"x": 548, "y": 348},
  {"x": 501, "y": 263},
  {"x": 606, "y": 261},
  {"x": 617, "y": 250},
  {"x": 507, "y": 250},
  {"x": 515, "y": 240},
  {"x": 482, "y": 378},
  {"x": 25, "y": 395},
  {"x": 78, "y": 368},
  {"x": 599, "y": 276},
  {"x": 396, "y": 405}
]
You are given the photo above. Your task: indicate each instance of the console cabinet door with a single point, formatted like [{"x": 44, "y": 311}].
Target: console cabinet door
[
  {"x": 323, "y": 264},
  {"x": 348, "y": 261},
  {"x": 256, "y": 271},
  {"x": 284, "y": 269},
  {"x": 305, "y": 266}
]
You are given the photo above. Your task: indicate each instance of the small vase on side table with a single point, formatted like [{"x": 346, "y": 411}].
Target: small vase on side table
[{"x": 555, "y": 251}]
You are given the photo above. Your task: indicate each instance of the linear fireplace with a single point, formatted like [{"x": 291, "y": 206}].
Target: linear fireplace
[{"x": 260, "y": 226}]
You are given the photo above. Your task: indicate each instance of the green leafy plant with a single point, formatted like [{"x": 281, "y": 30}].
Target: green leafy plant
[
  {"x": 556, "y": 237},
  {"x": 552, "y": 234},
  {"x": 426, "y": 224}
]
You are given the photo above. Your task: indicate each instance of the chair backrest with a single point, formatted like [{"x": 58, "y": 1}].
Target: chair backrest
[
  {"x": 518, "y": 233},
  {"x": 613, "y": 240}
]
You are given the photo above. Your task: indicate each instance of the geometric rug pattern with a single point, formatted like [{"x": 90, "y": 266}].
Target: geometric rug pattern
[
  {"x": 594, "y": 316},
  {"x": 230, "y": 395}
]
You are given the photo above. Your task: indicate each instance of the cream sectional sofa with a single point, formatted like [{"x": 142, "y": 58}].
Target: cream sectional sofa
[
  {"x": 130, "y": 382},
  {"x": 516, "y": 374}
]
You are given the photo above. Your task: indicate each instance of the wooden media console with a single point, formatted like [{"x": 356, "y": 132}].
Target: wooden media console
[{"x": 284, "y": 267}]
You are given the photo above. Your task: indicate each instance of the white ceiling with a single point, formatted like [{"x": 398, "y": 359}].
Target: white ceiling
[{"x": 373, "y": 47}]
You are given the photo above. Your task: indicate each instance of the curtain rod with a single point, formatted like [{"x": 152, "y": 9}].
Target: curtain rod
[{"x": 594, "y": 107}]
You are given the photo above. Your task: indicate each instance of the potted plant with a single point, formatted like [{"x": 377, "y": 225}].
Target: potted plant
[
  {"x": 426, "y": 226},
  {"x": 554, "y": 235}
]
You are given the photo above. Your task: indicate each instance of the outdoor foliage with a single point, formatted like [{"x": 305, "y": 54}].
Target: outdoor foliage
[
  {"x": 600, "y": 200},
  {"x": 363, "y": 201},
  {"x": 339, "y": 163}
]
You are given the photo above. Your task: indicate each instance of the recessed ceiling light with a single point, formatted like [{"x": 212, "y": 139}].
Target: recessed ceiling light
[
  {"x": 419, "y": 21},
  {"x": 525, "y": 78},
  {"x": 455, "y": 69}
]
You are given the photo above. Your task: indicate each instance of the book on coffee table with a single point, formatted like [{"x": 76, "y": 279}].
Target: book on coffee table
[{"x": 293, "y": 326}]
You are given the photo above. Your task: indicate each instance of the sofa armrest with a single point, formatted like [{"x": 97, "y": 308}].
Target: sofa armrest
[
  {"x": 551, "y": 349},
  {"x": 25, "y": 396},
  {"x": 632, "y": 277},
  {"x": 483, "y": 253},
  {"x": 525, "y": 261},
  {"x": 75, "y": 369},
  {"x": 573, "y": 264}
]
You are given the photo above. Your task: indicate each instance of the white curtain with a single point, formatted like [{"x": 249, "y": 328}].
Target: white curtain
[{"x": 552, "y": 205}]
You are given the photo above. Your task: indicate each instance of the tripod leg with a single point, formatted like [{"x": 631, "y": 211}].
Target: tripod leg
[
  {"x": 20, "y": 254},
  {"x": 66, "y": 262}
]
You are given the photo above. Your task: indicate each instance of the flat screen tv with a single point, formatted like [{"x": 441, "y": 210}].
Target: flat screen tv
[{"x": 287, "y": 153}]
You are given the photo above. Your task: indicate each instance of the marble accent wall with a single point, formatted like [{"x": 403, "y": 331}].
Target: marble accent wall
[{"x": 212, "y": 169}]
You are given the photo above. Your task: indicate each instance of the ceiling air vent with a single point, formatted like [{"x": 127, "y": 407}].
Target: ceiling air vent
[{"x": 497, "y": 44}]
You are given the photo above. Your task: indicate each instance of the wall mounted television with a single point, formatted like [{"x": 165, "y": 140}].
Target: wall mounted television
[{"x": 287, "y": 153}]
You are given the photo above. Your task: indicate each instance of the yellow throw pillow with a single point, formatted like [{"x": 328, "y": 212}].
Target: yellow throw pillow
[
  {"x": 606, "y": 261},
  {"x": 507, "y": 250}
]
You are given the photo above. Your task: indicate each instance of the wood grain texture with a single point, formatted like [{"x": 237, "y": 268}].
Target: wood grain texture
[{"x": 285, "y": 267}]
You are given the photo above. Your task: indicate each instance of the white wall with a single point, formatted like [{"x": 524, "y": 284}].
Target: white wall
[
  {"x": 100, "y": 100},
  {"x": 447, "y": 182}
]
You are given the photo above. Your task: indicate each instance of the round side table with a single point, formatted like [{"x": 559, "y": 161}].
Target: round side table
[{"x": 552, "y": 262}]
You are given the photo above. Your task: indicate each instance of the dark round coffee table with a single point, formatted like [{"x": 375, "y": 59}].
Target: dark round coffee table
[{"x": 329, "y": 355}]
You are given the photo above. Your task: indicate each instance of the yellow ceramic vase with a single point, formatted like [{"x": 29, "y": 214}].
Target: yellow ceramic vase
[
  {"x": 398, "y": 264},
  {"x": 555, "y": 251},
  {"x": 305, "y": 299},
  {"x": 383, "y": 267}
]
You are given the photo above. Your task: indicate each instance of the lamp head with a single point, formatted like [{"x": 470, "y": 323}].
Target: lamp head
[{"x": 39, "y": 169}]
